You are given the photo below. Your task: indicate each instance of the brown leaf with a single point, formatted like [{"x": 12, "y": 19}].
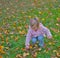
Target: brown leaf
[
  {"x": 24, "y": 55},
  {"x": 55, "y": 30},
  {"x": 1, "y": 56},
  {"x": 2, "y": 52},
  {"x": 16, "y": 38},
  {"x": 23, "y": 49},
  {"x": 58, "y": 19},
  {"x": 19, "y": 56},
  {"x": 58, "y": 54},
  {"x": 34, "y": 54}
]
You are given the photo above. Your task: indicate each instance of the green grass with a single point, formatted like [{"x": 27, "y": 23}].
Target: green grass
[{"x": 15, "y": 15}]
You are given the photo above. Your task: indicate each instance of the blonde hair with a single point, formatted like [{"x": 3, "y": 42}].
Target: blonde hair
[{"x": 34, "y": 21}]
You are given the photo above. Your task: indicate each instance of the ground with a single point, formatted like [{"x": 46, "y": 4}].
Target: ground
[{"x": 14, "y": 21}]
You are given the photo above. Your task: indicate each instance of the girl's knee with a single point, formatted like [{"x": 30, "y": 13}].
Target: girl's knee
[
  {"x": 40, "y": 37},
  {"x": 34, "y": 40}
]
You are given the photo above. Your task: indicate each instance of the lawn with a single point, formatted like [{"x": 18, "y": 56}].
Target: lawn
[{"x": 14, "y": 21}]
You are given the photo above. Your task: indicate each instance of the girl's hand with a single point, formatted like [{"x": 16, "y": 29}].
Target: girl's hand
[
  {"x": 50, "y": 37},
  {"x": 27, "y": 47}
]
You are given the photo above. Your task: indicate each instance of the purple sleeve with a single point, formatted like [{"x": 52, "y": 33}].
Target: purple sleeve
[
  {"x": 28, "y": 38},
  {"x": 46, "y": 31}
]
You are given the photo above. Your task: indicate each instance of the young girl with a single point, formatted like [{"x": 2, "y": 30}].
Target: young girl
[{"x": 36, "y": 33}]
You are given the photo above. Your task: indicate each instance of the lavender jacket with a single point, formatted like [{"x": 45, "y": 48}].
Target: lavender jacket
[{"x": 41, "y": 31}]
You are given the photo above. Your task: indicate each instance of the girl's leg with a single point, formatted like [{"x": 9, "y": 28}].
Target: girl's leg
[
  {"x": 34, "y": 40},
  {"x": 41, "y": 40}
]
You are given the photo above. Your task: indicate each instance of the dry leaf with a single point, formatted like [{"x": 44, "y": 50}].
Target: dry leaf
[
  {"x": 1, "y": 47},
  {"x": 29, "y": 16},
  {"x": 30, "y": 47},
  {"x": 55, "y": 30},
  {"x": 58, "y": 19},
  {"x": 57, "y": 24},
  {"x": 24, "y": 54},
  {"x": 16, "y": 38},
  {"x": 34, "y": 55},
  {"x": 58, "y": 54},
  {"x": 2, "y": 52},
  {"x": 54, "y": 51},
  {"x": 17, "y": 48},
  {"x": 23, "y": 49},
  {"x": 19, "y": 56},
  {"x": 1, "y": 56}
]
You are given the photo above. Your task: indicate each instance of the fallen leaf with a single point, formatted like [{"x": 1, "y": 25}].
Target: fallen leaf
[
  {"x": 29, "y": 16},
  {"x": 23, "y": 49},
  {"x": 54, "y": 57},
  {"x": 39, "y": 49},
  {"x": 24, "y": 54},
  {"x": 36, "y": 45},
  {"x": 58, "y": 54},
  {"x": 27, "y": 53},
  {"x": 26, "y": 26},
  {"x": 1, "y": 56},
  {"x": 17, "y": 48},
  {"x": 2, "y": 52},
  {"x": 40, "y": 12},
  {"x": 22, "y": 32},
  {"x": 58, "y": 47},
  {"x": 55, "y": 30},
  {"x": 50, "y": 43},
  {"x": 16, "y": 38},
  {"x": 30, "y": 47},
  {"x": 19, "y": 56},
  {"x": 54, "y": 51},
  {"x": 46, "y": 50},
  {"x": 1, "y": 47},
  {"x": 57, "y": 24},
  {"x": 7, "y": 39},
  {"x": 58, "y": 19},
  {"x": 43, "y": 19},
  {"x": 7, "y": 48},
  {"x": 34, "y": 55}
]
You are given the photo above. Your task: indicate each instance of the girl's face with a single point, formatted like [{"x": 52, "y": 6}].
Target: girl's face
[{"x": 35, "y": 27}]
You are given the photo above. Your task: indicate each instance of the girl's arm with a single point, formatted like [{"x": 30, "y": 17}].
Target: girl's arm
[
  {"x": 28, "y": 38},
  {"x": 47, "y": 32}
]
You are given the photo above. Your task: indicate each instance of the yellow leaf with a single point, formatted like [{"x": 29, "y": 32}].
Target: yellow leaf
[
  {"x": 54, "y": 50},
  {"x": 43, "y": 19},
  {"x": 1, "y": 51},
  {"x": 30, "y": 46},
  {"x": 40, "y": 12},
  {"x": 1, "y": 47},
  {"x": 50, "y": 43},
  {"x": 58, "y": 54},
  {"x": 29, "y": 16}
]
